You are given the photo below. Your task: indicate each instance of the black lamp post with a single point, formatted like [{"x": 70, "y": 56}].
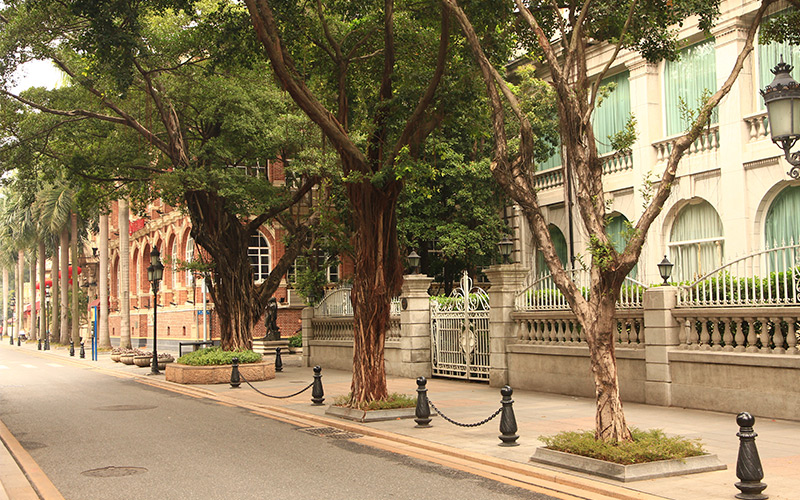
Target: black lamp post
[
  {"x": 46, "y": 325},
  {"x": 665, "y": 269},
  {"x": 506, "y": 246},
  {"x": 413, "y": 261},
  {"x": 782, "y": 98},
  {"x": 155, "y": 271},
  {"x": 12, "y": 302}
]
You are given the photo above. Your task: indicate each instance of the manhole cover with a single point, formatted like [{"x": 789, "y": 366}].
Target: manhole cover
[
  {"x": 125, "y": 407},
  {"x": 113, "y": 471},
  {"x": 32, "y": 445},
  {"x": 331, "y": 432}
]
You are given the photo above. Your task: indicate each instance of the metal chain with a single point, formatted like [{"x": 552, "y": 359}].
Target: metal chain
[
  {"x": 476, "y": 424},
  {"x": 275, "y": 397}
]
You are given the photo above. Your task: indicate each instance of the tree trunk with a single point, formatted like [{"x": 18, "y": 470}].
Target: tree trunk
[
  {"x": 42, "y": 293},
  {"x": 64, "y": 304},
  {"x": 55, "y": 310},
  {"x": 102, "y": 282},
  {"x": 124, "y": 275},
  {"x": 610, "y": 424},
  {"x": 5, "y": 301},
  {"x": 74, "y": 253},
  {"x": 378, "y": 278},
  {"x": 33, "y": 334},
  {"x": 20, "y": 290}
]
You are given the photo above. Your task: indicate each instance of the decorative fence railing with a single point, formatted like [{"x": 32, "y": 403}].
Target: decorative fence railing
[
  {"x": 617, "y": 161},
  {"x": 543, "y": 294},
  {"x": 338, "y": 303},
  {"x": 341, "y": 328},
  {"x": 560, "y": 328},
  {"x": 757, "y": 126},
  {"x": 765, "y": 330},
  {"x": 708, "y": 141},
  {"x": 765, "y": 278},
  {"x": 547, "y": 179}
]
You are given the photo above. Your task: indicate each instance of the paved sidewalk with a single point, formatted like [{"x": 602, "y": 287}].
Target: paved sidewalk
[{"x": 537, "y": 414}]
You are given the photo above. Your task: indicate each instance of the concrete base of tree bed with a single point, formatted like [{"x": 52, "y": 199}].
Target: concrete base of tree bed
[
  {"x": 369, "y": 415},
  {"x": 219, "y": 374},
  {"x": 626, "y": 473}
]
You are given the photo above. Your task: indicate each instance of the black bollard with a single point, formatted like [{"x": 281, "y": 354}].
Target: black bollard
[
  {"x": 278, "y": 360},
  {"x": 235, "y": 379},
  {"x": 39, "y": 346},
  {"x": 316, "y": 388},
  {"x": 748, "y": 465},
  {"x": 423, "y": 409},
  {"x": 83, "y": 351},
  {"x": 71, "y": 348},
  {"x": 47, "y": 342},
  {"x": 18, "y": 344},
  {"x": 508, "y": 422}
]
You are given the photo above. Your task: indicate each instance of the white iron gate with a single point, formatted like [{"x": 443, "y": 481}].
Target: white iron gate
[{"x": 460, "y": 333}]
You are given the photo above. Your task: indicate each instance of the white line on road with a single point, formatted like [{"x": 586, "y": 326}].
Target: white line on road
[
  {"x": 55, "y": 365},
  {"x": 29, "y": 366},
  {"x": 3, "y": 367}
]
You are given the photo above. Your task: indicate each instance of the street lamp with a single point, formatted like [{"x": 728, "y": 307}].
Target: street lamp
[
  {"x": 413, "y": 261},
  {"x": 155, "y": 271},
  {"x": 782, "y": 98},
  {"x": 506, "y": 246},
  {"x": 665, "y": 269},
  {"x": 12, "y": 302},
  {"x": 46, "y": 325}
]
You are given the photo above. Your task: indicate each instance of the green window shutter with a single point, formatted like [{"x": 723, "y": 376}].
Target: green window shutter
[
  {"x": 613, "y": 113},
  {"x": 782, "y": 225},
  {"x": 561, "y": 250},
  {"x": 769, "y": 56},
  {"x": 696, "y": 242},
  {"x": 688, "y": 78}
]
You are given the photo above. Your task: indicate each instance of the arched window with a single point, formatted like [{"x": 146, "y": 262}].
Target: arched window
[
  {"x": 174, "y": 264},
  {"x": 618, "y": 231},
  {"x": 189, "y": 253},
  {"x": 258, "y": 252},
  {"x": 696, "y": 244},
  {"x": 561, "y": 250},
  {"x": 782, "y": 225}
]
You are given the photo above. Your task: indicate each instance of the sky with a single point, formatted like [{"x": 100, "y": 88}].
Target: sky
[{"x": 36, "y": 74}]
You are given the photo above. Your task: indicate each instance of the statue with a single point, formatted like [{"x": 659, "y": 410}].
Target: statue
[{"x": 273, "y": 332}]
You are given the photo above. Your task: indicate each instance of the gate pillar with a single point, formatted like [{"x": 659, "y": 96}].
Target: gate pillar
[
  {"x": 415, "y": 326},
  {"x": 506, "y": 280}
]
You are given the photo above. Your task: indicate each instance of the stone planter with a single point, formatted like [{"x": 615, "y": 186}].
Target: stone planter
[
  {"x": 115, "y": 356},
  {"x": 626, "y": 473},
  {"x": 162, "y": 363},
  {"x": 142, "y": 361},
  {"x": 219, "y": 374},
  {"x": 126, "y": 359}
]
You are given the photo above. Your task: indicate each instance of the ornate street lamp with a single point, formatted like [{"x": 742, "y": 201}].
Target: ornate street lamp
[
  {"x": 155, "y": 271},
  {"x": 11, "y": 303},
  {"x": 782, "y": 98},
  {"x": 413, "y": 261},
  {"x": 665, "y": 269},
  {"x": 506, "y": 246}
]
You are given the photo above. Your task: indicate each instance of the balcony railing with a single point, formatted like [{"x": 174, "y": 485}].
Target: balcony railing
[{"x": 708, "y": 141}]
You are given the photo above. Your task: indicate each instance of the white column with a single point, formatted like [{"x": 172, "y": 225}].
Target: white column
[
  {"x": 415, "y": 327},
  {"x": 662, "y": 335},
  {"x": 506, "y": 281}
]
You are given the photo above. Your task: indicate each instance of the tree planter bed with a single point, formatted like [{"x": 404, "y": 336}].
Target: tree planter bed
[
  {"x": 370, "y": 415},
  {"x": 626, "y": 473},
  {"x": 218, "y": 374}
]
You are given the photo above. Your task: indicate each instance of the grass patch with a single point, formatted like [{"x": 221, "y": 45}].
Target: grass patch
[
  {"x": 393, "y": 401},
  {"x": 216, "y": 356},
  {"x": 647, "y": 446}
]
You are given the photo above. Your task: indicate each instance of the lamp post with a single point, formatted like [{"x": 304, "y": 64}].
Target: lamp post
[
  {"x": 155, "y": 271},
  {"x": 46, "y": 325},
  {"x": 413, "y": 261},
  {"x": 665, "y": 269},
  {"x": 782, "y": 98},
  {"x": 11, "y": 303},
  {"x": 506, "y": 246}
]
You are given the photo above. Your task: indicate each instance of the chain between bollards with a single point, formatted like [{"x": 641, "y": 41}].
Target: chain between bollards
[
  {"x": 235, "y": 381},
  {"x": 278, "y": 360},
  {"x": 748, "y": 464}
]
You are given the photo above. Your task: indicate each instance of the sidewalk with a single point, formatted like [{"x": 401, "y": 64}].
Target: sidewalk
[{"x": 536, "y": 413}]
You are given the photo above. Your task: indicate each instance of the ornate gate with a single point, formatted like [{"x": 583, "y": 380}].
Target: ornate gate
[{"x": 460, "y": 333}]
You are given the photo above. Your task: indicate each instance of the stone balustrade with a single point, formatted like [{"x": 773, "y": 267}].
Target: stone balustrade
[{"x": 708, "y": 141}]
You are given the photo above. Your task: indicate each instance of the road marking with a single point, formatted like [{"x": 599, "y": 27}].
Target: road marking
[
  {"x": 3, "y": 367},
  {"x": 55, "y": 365},
  {"x": 29, "y": 366}
]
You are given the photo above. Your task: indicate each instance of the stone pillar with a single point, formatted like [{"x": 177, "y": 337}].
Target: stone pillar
[
  {"x": 506, "y": 282},
  {"x": 308, "y": 333},
  {"x": 415, "y": 327},
  {"x": 662, "y": 335}
]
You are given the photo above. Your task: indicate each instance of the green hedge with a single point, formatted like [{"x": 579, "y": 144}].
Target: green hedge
[
  {"x": 756, "y": 288},
  {"x": 216, "y": 356}
]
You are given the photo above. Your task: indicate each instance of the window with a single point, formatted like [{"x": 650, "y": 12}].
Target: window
[
  {"x": 561, "y": 250},
  {"x": 687, "y": 79},
  {"x": 613, "y": 113},
  {"x": 696, "y": 242},
  {"x": 618, "y": 231},
  {"x": 189, "y": 258},
  {"x": 769, "y": 56},
  {"x": 174, "y": 264},
  {"x": 782, "y": 224},
  {"x": 331, "y": 272},
  {"x": 258, "y": 252}
]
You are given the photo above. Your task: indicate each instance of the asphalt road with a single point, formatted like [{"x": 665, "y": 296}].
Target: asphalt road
[{"x": 101, "y": 437}]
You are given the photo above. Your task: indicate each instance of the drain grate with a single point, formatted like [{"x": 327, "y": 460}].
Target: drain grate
[
  {"x": 114, "y": 471},
  {"x": 125, "y": 407},
  {"x": 331, "y": 432}
]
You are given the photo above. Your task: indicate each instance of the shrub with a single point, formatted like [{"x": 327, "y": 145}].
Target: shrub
[
  {"x": 647, "y": 446},
  {"x": 216, "y": 356},
  {"x": 296, "y": 340}
]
